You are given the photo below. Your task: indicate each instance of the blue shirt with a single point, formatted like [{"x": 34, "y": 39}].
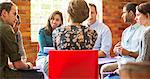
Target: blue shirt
[
  {"x": 131, "y": 38},
  {"x": 104, "y": 39},
  {"x": 44, "y": 40}
]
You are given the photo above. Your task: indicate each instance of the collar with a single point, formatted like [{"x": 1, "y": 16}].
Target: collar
[
  {"x": 95, "y": 24},
  {"x": 135, "y": 26},
  {"x": 12, "y": 28}
]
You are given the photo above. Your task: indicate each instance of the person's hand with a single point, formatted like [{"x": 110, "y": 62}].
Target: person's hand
[
  {"x": 11, "y": 65},
  {"x": 118, "y": 44},
  {"x": 116, "y": 71},
  {"x": 30, "y": 64},
  {"x": 117, "y": 48},
  {"x": 23, "y": 59}
]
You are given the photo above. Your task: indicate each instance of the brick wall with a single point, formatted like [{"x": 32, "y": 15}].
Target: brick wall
[{"x": 111, "y": 15}]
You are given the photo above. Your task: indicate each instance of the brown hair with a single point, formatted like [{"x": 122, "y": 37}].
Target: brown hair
[
  {"x": 48, "y": 27},
  {"x": 6, "y": 5},
  {"x": 78, "y": 10},
  {"x": 93, "y": 5},
  {"x": 131, "y": 7},
  {"x": 144, "y": 8}
]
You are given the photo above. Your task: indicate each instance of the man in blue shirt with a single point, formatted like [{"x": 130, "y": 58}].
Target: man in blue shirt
[
  {"x": 128, "y": 48},
  {"x": 104, "y": 40}
]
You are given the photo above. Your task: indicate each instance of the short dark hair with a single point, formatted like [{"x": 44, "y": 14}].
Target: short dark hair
[
  {"x": 78, "y": 10},
  {"x": 144, "y": 8},
  {"x": 131, "y": 7},
  {"x": 6, "y": 5},
  {"x": 93, "y": 5}
]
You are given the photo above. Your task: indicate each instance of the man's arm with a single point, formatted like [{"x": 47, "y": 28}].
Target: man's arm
[
  {"x": 101, "y": 54},
  {"x": 129, "y": 53},
  {"x": 106, "y": 43},
  {"x": 119, "y": 50},
  {"x": 21, "y": 65},
  {"x": 11, "y": 47}
]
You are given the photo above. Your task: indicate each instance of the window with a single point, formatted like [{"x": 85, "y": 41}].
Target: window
[
  {"x": 5, "y": 1},
  {"x": 41, "y": 10}
]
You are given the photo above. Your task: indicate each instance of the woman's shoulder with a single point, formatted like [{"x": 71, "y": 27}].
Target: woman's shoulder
[
  {"x": 61, "y": 28},
  {"x": 18, "y": 33},
  {"x": 57, "y": 30},
  {"x": 42, "y": 30},
  {"x": 88, "y": 28},
  {"x": 73, "y": 27},
  {"x": 147, "y": 32}
]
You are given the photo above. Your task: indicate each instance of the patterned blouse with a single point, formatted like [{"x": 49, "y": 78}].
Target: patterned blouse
[{"x": 74, "y": 37}]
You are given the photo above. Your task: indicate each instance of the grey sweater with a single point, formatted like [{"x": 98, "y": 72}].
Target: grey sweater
[{"x": 144, "y": 54}]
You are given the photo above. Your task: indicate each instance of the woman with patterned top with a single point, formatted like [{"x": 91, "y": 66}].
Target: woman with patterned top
[{"x": 75, "y": 36}]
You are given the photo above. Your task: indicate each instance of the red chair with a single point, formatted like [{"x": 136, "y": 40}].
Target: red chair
[{"x": 73, "y": 64}]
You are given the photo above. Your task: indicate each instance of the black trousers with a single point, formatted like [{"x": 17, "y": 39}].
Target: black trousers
[{"x": 23, "y": 74}]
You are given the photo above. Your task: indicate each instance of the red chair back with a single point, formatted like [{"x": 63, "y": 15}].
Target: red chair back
[{"x": 73, "y": 64}]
